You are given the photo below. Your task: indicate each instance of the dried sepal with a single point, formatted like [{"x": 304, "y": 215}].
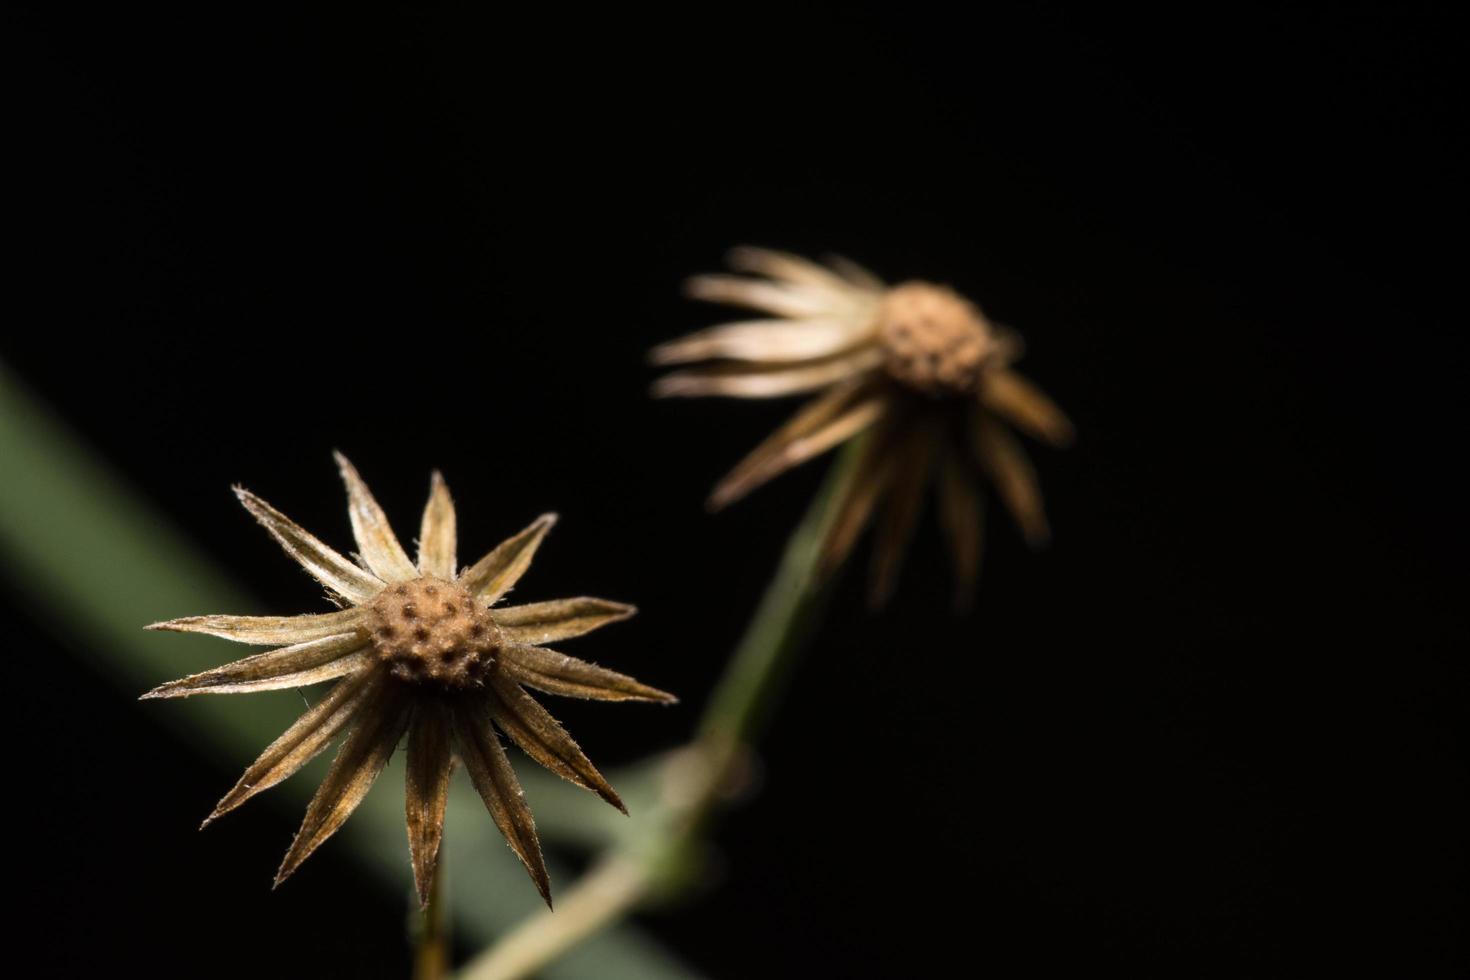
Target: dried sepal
[
  {"x": 484, "y": 759},
  {"x": 529, "y": 725},
  {"x": 293, "y": 666},
  {"x": 266, "y": 630},
  {"x": 1027, "y": 407},
  {"x": 426, "y": 791},
  {"x": 556, "y": 673},
  {"x": 900, "y": 512},
  {"x": 437, "y": 532},
  {"x": 359, "y": 762},
  {"x": 497, "y": 573},
  {"x": 1014, "y": 477},
  {"x": 559, "y": 619},
  {"x": 376, "y": 542},
  {"x": 963, "y": 519},
  {"x": 302, "y": 742},
  {"x": 326, "y": 566}
]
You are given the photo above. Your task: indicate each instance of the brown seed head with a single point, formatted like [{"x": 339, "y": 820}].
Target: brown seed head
[
  {"x": 934, "y": 340},
  {"x": 433, "y": 632}
]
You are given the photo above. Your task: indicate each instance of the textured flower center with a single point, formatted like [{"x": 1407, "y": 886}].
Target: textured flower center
[
  {"x": 934, "y": 340},
  {"x": 429, "y": 631}
]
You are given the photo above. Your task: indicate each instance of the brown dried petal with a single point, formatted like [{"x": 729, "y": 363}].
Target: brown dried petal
[
  {"x": 556, "y": 673},
  {"x": 828, "y": 420},
  {"x": 543, "y": 738},
  {"x": 484, "y": 759},
  {"x": 495, "y": 574},
  {"x": 300, "y": 743},
  {"x": 324, "y": 564},
  {"x": 869, "y": 481},
  {"x": 362, "y": 757},
  {"x": 899, "y": 515},
  {"x": 430, "y": 758},
  {"x": 962, "y": 517},
  {"x": 1026, "y": 406},
  {"x": 745, "y": 381},
  {"x": 437, "y": 532},
  {"x": 376, "y": 541},
  {"x": 1014, "y": 477},
  {"x": 559, "y": 619},
  {"x": 293, "y": 666}
]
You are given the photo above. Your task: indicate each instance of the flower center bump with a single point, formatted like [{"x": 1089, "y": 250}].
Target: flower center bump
[
  {"x": 934, "y": 340},
  {"x": 433, "y": 632}
]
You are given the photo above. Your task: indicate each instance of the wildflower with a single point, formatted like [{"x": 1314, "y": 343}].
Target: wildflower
[
  {"x": 915, "y": 368},
  {"x": 417, "y": 647}
]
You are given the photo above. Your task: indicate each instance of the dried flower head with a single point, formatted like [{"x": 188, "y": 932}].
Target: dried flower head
[
  {"x": 417, "y": 647},
  {"x": 916, "y": 367}
]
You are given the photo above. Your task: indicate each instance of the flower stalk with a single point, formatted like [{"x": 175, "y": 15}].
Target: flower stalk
[{"x": 659, "y": 861}]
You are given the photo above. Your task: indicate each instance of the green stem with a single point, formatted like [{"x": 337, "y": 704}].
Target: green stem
[
  {"x": 431, "y": 942},
  {"x": 659, "y": 861}
]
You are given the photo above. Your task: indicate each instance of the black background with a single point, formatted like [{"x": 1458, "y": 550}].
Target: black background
[{"x": 1209, "y": 732}]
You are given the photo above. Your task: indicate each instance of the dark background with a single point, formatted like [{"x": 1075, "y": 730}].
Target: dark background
[{"x": 1208, "y": 733}]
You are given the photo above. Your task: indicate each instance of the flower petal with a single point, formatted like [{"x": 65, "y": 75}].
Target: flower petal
[
  {"x": 559, "y": 619},
  {"x": 376, "y": 541},
  {"x": 963, "y": 519},
  {"x": 556, "y": 673},
  {"x": 899, "y": 515},
  {"x": 495, "y": 574},
  {"x": 484, "y": 759},
  {"x": 870, "y": 476},
  {"x": 430, "y": 759},
  {"x": 1014, "y": 477},
  {"x": 765, "y": 341},
  {"x": 541, "y": 736},
  {"x": 781, "y": 299},
  {"x": 293, "y": 666},
  {"x": 379, "y": 726},
  {"x": 437, "y": 534},
  {"x": 830, "y": 419},
  {"x": 787, "y": 267},
  {"x": 744, "y": 381},
  {"x": 855, "y": 274},
  {"x": 1026, "y": 407},
  {"x": 266, "y": 630},
  {"x": 300, "y": 743},
  {"x": 324, "y": 564}
]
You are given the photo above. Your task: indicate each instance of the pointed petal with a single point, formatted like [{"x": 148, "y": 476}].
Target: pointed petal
[
  {"x": 1014, "y": 477},
  {"x": 324, "y": 564},
  {"x": 495, "y": 574},
  {"x": 855, "y": 274},
  {"x": 900, "y": 514},
  {"x": 780, "y": 299},
  {"x": 869, "y": 481},
  {"x": 379, "y": 725},
  {"x": 787, "y": 267},
  {"x": 496, "y": 782},
  {"x": 1026, "y": 407},
  {"x": 266, "y": 630},
  {"x": 437, "y": 533},
  {"x": 556, "y": 673},
  {"x": 559, "y": 619},
  {"x": 430, "y": 756},
  {"x": 376, "y": 541},
  {"x": 764, "y": 341},
  {"x": 300, "y": 743},
  {"x": 744, "y": 381},
  {"x": 540, "y": 736},
  {"x": 293, "y": 666},
  {"x": 963, "y": 519},
  {"x": 823, "y": 423}
]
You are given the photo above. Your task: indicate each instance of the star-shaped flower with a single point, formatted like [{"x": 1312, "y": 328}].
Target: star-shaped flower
[
  {"x": 916, "y": 367},
  {"x": 418, "y": 647}
]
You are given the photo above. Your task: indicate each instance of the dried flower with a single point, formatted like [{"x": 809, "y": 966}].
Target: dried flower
[
  {"x": 916, "y": 367},
  {"x": 417, "y": 647}
]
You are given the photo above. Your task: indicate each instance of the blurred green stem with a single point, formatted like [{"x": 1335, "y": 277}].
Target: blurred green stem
[
  {"x": 431, "y": 943},
  {"x": 662, "y": 857}
]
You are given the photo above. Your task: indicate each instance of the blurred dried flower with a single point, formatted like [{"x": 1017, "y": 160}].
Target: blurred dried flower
[
  {"x": 915, "y": 367},
  {"x": 418, "y": 648}
]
